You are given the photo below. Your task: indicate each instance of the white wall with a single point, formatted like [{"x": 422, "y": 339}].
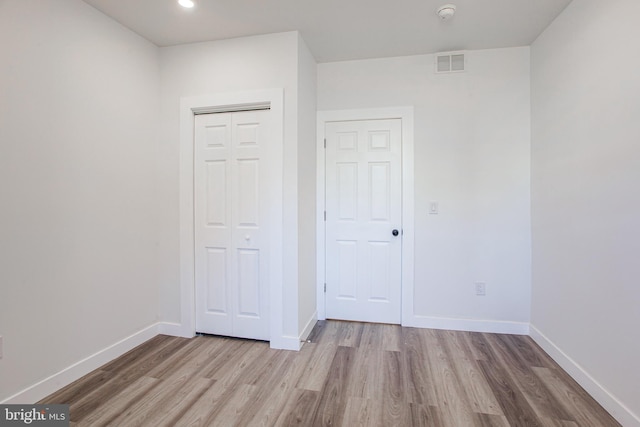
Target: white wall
[
  {"x": 307, "y": 86},
  {"x": 472, "y": 133},
  {"x": 79, "y": 99},
  {"x": 251, "y": 63},
  {"x": 586, "y": 198}
]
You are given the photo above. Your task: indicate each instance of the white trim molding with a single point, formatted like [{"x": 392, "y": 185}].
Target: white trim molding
[
  {"x": 172, "y": 329},
  {"x": 608, "y": 401},
  {"x": 285, "y": 342},
  {"x": 296, "y": 343},
  {"x": 469, "y": 325},
  {"x": 405, "y": 114},
  {"x": 306, "y": 331},
  {"x": 81, "y": 368},
  {"x": 221, "y": 102}
]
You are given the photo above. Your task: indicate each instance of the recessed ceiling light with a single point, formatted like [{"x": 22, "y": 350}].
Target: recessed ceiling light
[
  {"x": 446, "y": 12},
  {"x": 186, "y": 3}
]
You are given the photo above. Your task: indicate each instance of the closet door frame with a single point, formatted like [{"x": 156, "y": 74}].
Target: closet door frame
[{"x": 273, "y": 99}]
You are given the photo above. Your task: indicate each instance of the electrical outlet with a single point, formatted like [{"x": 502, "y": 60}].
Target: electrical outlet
[
  {"x": 0, "y": 346},
  {"x": 481, "y": 289}
]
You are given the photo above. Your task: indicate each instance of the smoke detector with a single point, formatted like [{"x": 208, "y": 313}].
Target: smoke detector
[{"x": 446, "y": 12}]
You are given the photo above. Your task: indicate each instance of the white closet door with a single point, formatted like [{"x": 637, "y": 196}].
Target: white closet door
[
  {"x": 231, "y": 203},
  {"x": 364, "y": 218}
]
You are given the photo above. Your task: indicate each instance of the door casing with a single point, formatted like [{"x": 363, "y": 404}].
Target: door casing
[
  {"x": 405, "y": 114},
  {"x": 226, "y": 102}
]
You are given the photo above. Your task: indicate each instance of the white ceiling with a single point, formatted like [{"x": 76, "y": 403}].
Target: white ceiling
[{"x": 338, "y": 30}]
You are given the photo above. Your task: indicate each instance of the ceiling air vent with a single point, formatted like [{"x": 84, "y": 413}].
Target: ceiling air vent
[{"x": 450, "y": 62}]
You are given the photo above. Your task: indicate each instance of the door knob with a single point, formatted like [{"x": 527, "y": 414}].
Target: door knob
[{"x": 395, "y": 232}]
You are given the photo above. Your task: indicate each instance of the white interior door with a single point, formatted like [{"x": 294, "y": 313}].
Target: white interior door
[
  {"x": 363, "y": 220},
  {"x": 231, "y": 248}
]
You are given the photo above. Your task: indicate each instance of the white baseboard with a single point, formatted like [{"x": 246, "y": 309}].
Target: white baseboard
[
  {"x": 66, "y": 376},
  {"x": 608, "y": 401},
  {"x": 285, "y": 343},
  {"x": 174, "y": 329},
  {"x": 470, "y": 325},
  {"x": 71, "y": 373},
  {"x": 281, "y": 343},
  {"x": 308, "y": 327}
]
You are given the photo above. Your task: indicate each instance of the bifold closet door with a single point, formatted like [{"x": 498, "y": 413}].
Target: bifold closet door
[{"x": 231, "y": 201}]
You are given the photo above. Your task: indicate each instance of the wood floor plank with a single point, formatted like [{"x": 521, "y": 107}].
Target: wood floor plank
[
  {"x": 331, "y": 332},
  {"x": 450, "y": 393},
  {"x": 540, "y": 397},
  {"x": 251, "y": 365},
  {"x": 325, "y": 331},
  {"x": 371, "y": 337},
  {"x": 114, "y": 406},
  {"x": 158, "y": 401},
  {"x": 391, "y": 337},
  {"x": 141, "y": 366},
  {"x": 144, "y": 365},
  {"x": 125, "y": 375},
  {"x": 349, "y": 374},
  {"x": 559, "y": 423},
  {"x": 271, "y": 395},
  {"x": 318, "y": 331},
  {"x": 479, "y": 393},
  {"x": 200, "y": 360},
  {"x": 572, "y": 397},
  {"x": 171, "y": 409},
  {"x": 182, "y": 360},
  {"x": 80, "y": 388},
  {"x": 220, "y": 364},
  {"x": 419, "y": 379},
  {"x": 243, "y": 366},
  {"x": 503, "y": 351},
  {"x": 393, "y": 382},
  {"x": 373, "y": 413},
  {"x": 518, "y": 361},
  {"x": 315, "y": 375},
  {"x": 527, "y": 344},
  {"x": 488, "y": 420},
  {"x": 350, "y": 333},
  {"x": 361, "y": 412},
  {"x": 513, "y": 403},
  {"x": 528, "y": 350},
  {"x": 333, "y": 397},
  {"x": 365, "y": 379},
  {"x": 144, "y": 350},
  {"x": 478, "y": 345},
  {"x": 223, "y": 393},
  {"x": 425, "y": 415},
  {"x": 238, "y": 405},
  {"x": 276, "y": 402},
  {"x": 299, "y": 409},
  {"x": 264, "y": 372},
  {"x": 207, "y": 407},
  {"x": 396, "y": 412}
]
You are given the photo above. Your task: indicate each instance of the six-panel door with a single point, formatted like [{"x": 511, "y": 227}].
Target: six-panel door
[
  {"x": 364, "y": 207},
  {"x": 231, "y": 202}
]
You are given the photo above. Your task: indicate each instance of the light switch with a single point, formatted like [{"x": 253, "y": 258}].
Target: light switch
[{"x": 433, "y": 208}]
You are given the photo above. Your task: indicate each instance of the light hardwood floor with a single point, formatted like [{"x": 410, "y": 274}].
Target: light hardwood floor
[{"x": 350, "y": 374}]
